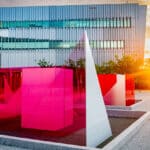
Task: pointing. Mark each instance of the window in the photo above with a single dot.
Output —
(20, 43)
(76, 23)
(115, 44)
(119, 44)
(108, 44)
(128, 22)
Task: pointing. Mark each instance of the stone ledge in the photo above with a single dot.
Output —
(37, 144)
(122, 138)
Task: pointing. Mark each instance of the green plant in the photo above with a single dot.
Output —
(44, 63)
(107, 68)
(124, 65)
(71, 63)
(80, 63)
(127, 64)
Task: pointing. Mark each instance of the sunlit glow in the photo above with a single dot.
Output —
(147, 44)
(147, 40)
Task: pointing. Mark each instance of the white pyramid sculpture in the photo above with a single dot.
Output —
(97, 123)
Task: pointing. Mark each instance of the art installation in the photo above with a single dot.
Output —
(97, 124)
(66, 102)
(51, 102)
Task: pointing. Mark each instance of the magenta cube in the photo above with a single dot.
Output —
(47, 98)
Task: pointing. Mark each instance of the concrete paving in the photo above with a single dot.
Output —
(141, 140)
(3, 147)
(145, 97)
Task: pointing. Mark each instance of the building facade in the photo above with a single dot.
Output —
(29, 34)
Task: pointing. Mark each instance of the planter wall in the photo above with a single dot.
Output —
(117, 89)
(130, 90)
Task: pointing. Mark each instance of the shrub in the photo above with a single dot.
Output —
(124, 65)
(44, 63)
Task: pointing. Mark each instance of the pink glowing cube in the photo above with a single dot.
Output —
(47, 98)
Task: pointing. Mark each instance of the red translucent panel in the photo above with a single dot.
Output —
(112, 91)
(106, 82)
(10, 93)
(130, 87)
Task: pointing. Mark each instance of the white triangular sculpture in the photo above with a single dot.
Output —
(97, 123)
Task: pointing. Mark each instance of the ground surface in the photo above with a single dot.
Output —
(2, 147)
(141, 140)
(12, 127)
(117, 126)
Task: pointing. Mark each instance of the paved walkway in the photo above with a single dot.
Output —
(141, 140)
(145, 96)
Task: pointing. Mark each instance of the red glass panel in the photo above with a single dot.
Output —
(130, 87)
(106, 81)
(9, 100)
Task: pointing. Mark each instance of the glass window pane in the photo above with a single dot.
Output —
(102, 44)
(121, 22)
(118, 22)
(108, 44)
(112, 22)
(119, 44)
(115, 44)
(128, 22)
(125, 22)
(105, 44)
(122, 44)
(104, 22)
(108, 22)
(112, 44)
(115, 22)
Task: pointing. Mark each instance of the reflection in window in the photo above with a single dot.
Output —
(128, 22)
(105, 44)
(119, 44)
(55, 44)
(112, 44)
(108, 23)
(115, 22)
(121, 22)
(112, 23)
(108, 44)
(125, 22)
(122, 44)
(86, 23)
(115, 44)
